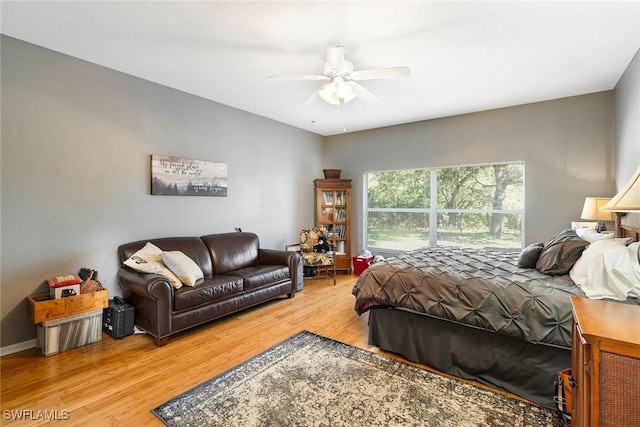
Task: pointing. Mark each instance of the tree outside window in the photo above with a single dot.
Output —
(475, 206)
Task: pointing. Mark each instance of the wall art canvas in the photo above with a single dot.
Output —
(186, 177)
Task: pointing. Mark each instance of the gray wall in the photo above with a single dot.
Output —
(627, 104)
(76, 146)
(627, 101)
(567, 146)
(76, 140)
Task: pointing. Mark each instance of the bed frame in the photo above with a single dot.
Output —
(628, 231)
(499, 361)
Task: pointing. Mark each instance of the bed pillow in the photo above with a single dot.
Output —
(183, 267)
(591, 235)
(149, 260)
(529, 256)
(633, 250)
(560, 253)
(607, 269)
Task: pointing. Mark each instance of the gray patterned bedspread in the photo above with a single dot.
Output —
(479, 288)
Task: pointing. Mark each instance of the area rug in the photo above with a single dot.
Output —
(310, 380)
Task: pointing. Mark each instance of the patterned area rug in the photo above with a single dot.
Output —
(309, 380)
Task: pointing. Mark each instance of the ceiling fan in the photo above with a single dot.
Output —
(342, 86)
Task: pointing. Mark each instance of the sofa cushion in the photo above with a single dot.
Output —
(261, 275)
(232, 251)
(149, 260)
(182, 266)
(192, 247)
(212, 289)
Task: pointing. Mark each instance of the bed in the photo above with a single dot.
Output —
(480, 315)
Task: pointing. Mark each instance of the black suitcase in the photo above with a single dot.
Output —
(118, 318)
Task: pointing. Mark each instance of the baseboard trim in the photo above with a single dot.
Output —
(15, 348)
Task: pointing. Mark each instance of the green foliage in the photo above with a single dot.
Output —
(490, 188)
(399, 189)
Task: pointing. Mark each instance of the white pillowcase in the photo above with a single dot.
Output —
(149, 260)
(183, 267)
(633, 251)
(591, 235)
(608, 269)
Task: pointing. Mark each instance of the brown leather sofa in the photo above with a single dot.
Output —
(237, 274)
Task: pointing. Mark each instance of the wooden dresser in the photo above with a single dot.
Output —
(605, 363)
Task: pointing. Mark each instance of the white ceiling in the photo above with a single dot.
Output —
(464, 56)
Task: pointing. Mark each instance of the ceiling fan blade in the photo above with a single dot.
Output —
(380, 73)
(335, 57)
(362, 92)
(342, 86)
(300, 77)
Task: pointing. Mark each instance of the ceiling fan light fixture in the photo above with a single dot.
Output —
(336, 92)
(329, 93)
(342, 82)
(345, 91)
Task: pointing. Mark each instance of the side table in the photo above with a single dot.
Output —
(605, 362)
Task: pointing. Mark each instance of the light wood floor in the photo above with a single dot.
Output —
(118, 382)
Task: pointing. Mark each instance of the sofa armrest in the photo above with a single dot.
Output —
(280, 257)
(146, 285)
(152, 297)
(273, 257)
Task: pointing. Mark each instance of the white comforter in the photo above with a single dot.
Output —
(609, 269)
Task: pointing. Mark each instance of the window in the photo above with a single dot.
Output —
(474, 206)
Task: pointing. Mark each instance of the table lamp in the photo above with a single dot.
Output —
(627, 199)
(591, 211)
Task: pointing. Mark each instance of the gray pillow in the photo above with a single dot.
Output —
(560, 253)
(529, 255)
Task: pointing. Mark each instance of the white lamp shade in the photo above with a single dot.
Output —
(345, 92)
(592, 209)
(627, 199)
(329, 93)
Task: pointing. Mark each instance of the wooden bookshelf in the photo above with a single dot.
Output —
(333, 213)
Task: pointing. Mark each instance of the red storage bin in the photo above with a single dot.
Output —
(360, 264)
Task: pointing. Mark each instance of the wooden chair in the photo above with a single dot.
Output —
(309, 239)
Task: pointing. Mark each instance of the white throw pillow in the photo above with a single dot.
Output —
(591, 235)
(604, 270)
(183, 267)
(149, 260)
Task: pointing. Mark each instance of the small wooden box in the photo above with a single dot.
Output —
(50, 309)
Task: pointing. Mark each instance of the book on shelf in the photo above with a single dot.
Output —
(328, 198)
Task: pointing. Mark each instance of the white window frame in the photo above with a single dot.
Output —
(433, 210)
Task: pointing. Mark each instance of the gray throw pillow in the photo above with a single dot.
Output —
(560, 253)
(529, 255)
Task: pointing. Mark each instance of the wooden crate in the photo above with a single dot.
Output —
(41, 310)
